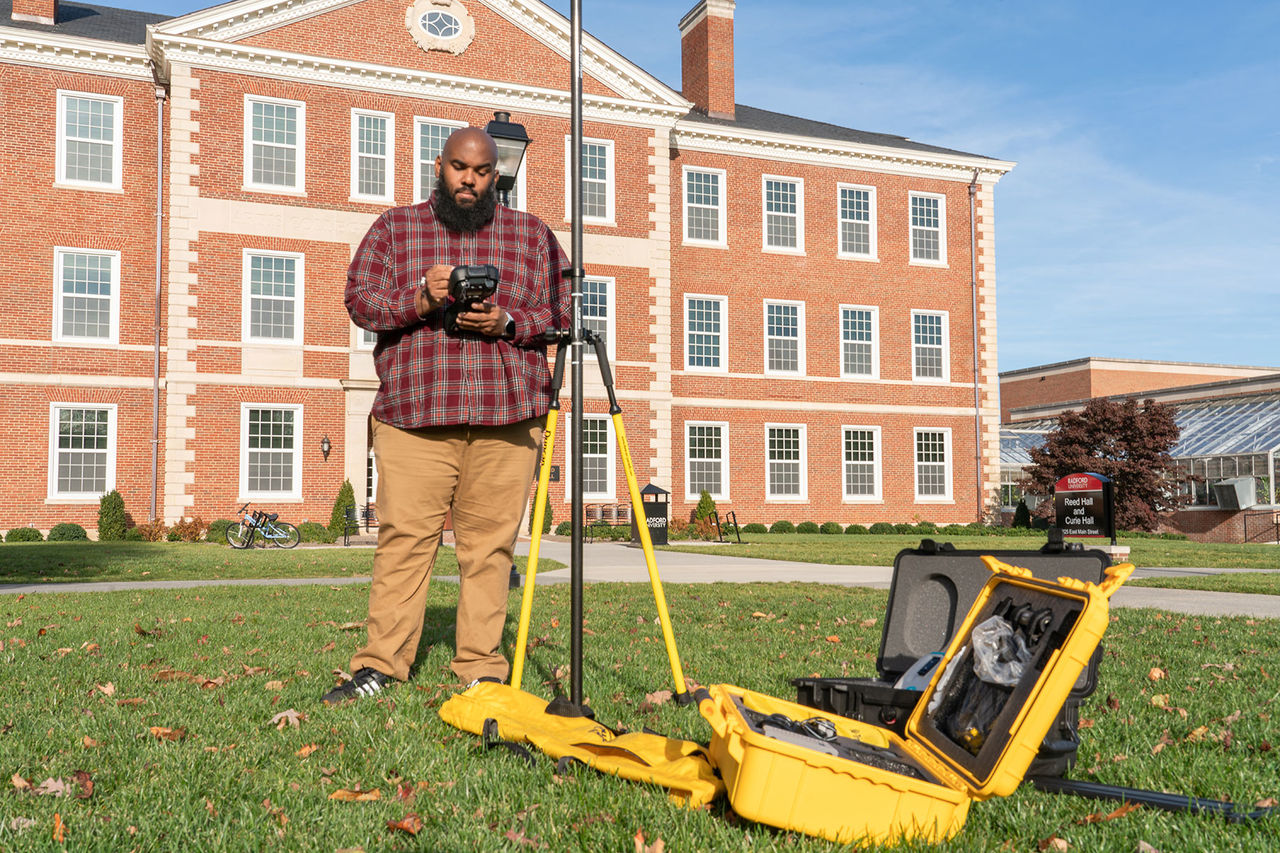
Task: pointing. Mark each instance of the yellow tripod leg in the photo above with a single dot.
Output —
(646, 542)
(539, 513)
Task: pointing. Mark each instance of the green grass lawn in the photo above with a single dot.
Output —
(164, 700)
(1249, 583)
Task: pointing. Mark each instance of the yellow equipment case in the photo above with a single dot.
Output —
(999, 688)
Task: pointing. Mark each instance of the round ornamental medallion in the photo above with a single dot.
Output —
(440, 25)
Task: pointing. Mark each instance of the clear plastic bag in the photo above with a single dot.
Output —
(1000, 654)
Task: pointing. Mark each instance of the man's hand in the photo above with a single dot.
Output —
(434, 290)
(484, 318)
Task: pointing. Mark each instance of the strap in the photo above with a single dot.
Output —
(489, 739)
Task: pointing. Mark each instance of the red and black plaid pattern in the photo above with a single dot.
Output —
(433, 379)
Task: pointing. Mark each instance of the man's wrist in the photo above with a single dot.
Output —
(509, 331)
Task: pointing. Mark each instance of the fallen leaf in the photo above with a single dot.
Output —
(131, 701)
(21, 824)
(832, 638)
(1113, 702)
(654, 699)
(765, 616)
(410, 823)
(20, 783)
(107, 689)
(555, 622)
(212, 683)
(348, 796)
(89, 743)
(1162, 743)
(1053, 842)
(163, 733)
(287, 718)
(274, 685)
(53, 788)
(1156, 674)
(1160, 700)
(1098, 817)
(1144, 847)
(253, 670)
(307, 750)
(658, 845)
(85, 781)
(867, 623)
(328, 647)
(351, 626)
(140, 631)
(59, 828)
(1267, 803)
(519, 837)
(1231, 718)
(1196, 735)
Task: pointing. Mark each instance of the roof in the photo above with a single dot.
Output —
(752, 118)
(94, 22)
(1223, 427)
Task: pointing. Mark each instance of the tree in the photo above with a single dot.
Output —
(346, 498)
(706, 506)
(1124, 441)
(111, 517)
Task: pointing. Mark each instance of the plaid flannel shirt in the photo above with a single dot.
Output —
(429, 378)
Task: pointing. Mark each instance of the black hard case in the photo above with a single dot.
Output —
(933, 587)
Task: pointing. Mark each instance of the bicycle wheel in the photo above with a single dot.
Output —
(239, 535)
(287, 535)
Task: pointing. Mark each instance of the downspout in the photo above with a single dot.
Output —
(977, 377)
(161, 96)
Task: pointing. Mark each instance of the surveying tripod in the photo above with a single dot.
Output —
(682, 693)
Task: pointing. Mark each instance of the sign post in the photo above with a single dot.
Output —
(1084, 505)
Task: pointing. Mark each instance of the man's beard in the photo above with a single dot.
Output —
(455, 217)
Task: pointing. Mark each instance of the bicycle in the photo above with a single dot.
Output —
(264, 524)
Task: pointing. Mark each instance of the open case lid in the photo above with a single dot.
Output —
(934, 586)
(988, 734)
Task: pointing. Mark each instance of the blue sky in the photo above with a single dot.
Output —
(1141, 220)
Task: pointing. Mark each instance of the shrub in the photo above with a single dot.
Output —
(133, 534)
(855, 528)
(564, 528)
(68, 531)
(703, 528)
(338, 518)
(111, 517)
(954, 530)
(904, 528)
(1022, 515)
(807, 527)
(754, 527)
(314, 531)
(977, 527)
(185, 530)
(24, 534)
(217, 531)
(881, 528)
(782, 526)
(926, 527)
(831, 527)
(546, 520)
(152, 531)
(706, 506)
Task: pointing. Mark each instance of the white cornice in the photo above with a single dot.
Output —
(70, 53)
(739, 142)
(492, 94)
(233, 21)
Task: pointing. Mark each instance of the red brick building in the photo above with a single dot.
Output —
(801, 317)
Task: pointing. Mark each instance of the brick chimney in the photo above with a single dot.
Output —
(36, 11)
(706, 54)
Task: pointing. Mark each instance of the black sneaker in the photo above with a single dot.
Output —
(366, 682)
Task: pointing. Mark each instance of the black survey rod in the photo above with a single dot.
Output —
(575, 334)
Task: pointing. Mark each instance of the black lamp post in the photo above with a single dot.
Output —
(512, 141)
(325, 447)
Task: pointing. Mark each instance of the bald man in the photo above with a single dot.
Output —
(458, 418)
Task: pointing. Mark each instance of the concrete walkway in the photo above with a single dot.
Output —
(619, 562)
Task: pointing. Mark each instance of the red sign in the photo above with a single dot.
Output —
(1079, 483)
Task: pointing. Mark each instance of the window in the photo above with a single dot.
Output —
(597, 458)
(928, 229)
(518, 197)
(933, 465)
(272, 297)
(598, 311)
(274, 154)
(786, 474)
(706, 460)
(857, 222)
(373, 155)
(366, 339)
(704, 221)
(784, 214)
(86, 306)
(929, 345)
(82, 451)
(270, 451)
(859, 341)
(704, 333)
(861, 463)
(784, 337)
(90, 140)
(428, 141)
(597, 180)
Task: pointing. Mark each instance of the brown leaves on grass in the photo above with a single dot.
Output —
(410, 823)
(80, 782)
(1156, 673)
(163, 733)
(288, 718)
(652, 700)
(307, 750)
(1098, 817)
(349, 795)
(1054, 843)
(658, 845)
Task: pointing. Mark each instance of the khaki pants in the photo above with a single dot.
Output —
(483, 473)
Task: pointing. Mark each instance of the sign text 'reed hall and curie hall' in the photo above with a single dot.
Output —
(1083, 505)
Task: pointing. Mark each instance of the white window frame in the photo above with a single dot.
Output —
(722, 337)
(875, 340)
(53, 495)
(294, 494)
(877, 493)
(299, 298)
(59, 258)
(610, 192)
(365, 340)
(798, 248)
(916, 463)
(941, 260)
(800, 338)
(610, 317)
(422, 193)
(116, 183)
(389, 159)
(803, 497)
(723, 494)
(299, 186)
(610, 495)
(522, 187)
(721, 208)
(946, 345)
(873, 248)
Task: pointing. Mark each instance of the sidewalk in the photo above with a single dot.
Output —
(605, 562)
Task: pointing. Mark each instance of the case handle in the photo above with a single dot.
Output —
(1116, 575)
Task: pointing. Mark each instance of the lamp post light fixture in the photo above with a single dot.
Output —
(325, 447)
(511, 140)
